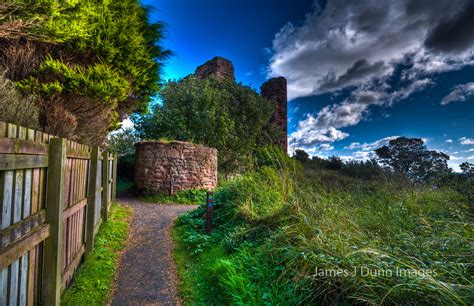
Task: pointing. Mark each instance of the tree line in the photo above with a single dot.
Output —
(402, 158)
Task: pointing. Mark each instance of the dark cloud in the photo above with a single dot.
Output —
(367, 44)
(343, 43)
(361, 69)
(455, 34)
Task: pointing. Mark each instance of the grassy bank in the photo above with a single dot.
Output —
(289, 236)
(93, 282)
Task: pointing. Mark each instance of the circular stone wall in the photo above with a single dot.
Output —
(167, 167)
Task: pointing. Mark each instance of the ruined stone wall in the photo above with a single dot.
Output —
(275, 90)
(218, 67)
(165, 168)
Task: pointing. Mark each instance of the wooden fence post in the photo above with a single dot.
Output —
(91, 199)
(54, 217)
(105, 185)
(114, 174)
(210, 209)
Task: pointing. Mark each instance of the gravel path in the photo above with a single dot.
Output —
(147, 272)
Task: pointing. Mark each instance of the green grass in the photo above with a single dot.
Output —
(274, 229)
(190, 197)
(93, 282)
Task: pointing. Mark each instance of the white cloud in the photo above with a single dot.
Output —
(466, 141)
(318, 149)
(459, 93)
(358, 156)
(326, 147)
(470, 157)
(455, 166)
(448, 140)
(370, 146)
(309, 133)
(362, 155)
(321, 150)
(470, 150)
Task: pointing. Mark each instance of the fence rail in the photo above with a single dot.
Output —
(54, 193)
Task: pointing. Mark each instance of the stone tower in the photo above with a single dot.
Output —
(218, 66)
(275, 91)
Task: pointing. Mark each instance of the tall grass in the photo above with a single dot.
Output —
(280, 237)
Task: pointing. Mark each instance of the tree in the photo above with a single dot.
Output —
(467, 187)
(468, 170)
(301, 155)
(219, 113)
(122, 141)
(411, 158)
(89, 63)
(335, 163)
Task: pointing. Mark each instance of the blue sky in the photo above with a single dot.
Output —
(359, 72)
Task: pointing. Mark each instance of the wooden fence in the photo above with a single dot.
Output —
(54, 193)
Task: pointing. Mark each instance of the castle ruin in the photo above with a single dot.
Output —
(274, 90)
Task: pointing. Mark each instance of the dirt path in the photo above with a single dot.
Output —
(147, 272)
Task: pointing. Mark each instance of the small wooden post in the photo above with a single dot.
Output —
(210, 209)
(114, 174)
(105, 185)
(54, 217)
(91, 199)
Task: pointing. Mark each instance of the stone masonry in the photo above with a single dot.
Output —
(218, 67)
(275, 91)
(167, 167)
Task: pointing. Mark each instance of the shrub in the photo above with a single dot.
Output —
(218, 113)
(16, 108)
(89, 62)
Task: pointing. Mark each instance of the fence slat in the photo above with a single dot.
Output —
(114, 176)
(14, 271)
(3, 286)
(23, 279)
(31, 277)
(55, 200)
(105, 185)
(91, 199)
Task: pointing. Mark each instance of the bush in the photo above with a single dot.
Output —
(89, 63)
(16, 108)
(222, 114)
